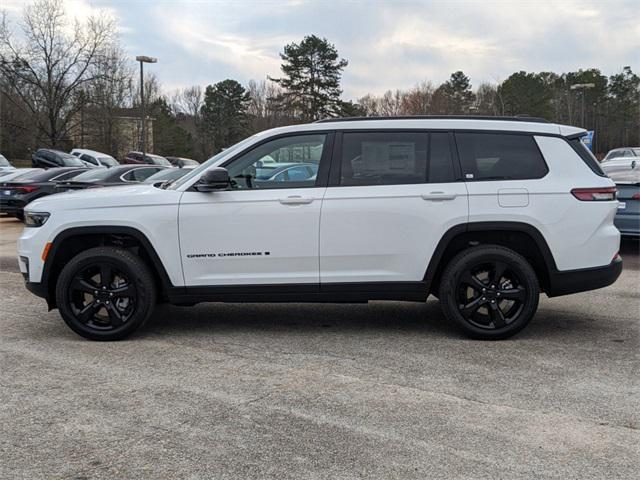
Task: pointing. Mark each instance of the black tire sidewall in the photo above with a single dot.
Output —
(477, 255)
(128, 263)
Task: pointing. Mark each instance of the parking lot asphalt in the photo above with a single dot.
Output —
(379, 390)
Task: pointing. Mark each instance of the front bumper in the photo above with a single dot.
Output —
(584, 279)
(38, 289)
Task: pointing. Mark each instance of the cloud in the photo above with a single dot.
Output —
(389, 44)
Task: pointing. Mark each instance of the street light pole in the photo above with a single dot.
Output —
(582, 87)
(143, 135)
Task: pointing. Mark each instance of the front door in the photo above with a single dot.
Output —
(264, 229)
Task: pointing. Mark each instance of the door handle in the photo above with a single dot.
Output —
(295, 200)
(438, 196)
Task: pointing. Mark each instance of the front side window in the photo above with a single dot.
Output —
(494, 156)
(287, 162)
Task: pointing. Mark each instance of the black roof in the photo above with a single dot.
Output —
(517, 118)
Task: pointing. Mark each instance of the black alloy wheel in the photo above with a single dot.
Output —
(490, 292)
(105, 293)
(102, 297)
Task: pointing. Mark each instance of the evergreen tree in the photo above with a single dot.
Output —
(169, 138)
(224, 112)
(526, 94)
(456, 94)
(312, 78)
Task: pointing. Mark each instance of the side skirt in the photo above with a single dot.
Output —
(296, 293)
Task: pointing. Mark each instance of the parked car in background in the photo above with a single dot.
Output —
(98, 159)
(147, 159)
(5, 165)
(622, 152)
(17, 193)
(168, 175)
(17, 173)
(620, 159)
(628, 215)
(47, 158)
(120, 175)
(285, 172)
(182, 162)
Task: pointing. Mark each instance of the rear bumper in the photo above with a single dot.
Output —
(584, 279)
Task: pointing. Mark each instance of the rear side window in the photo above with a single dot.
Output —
(395, 158)
(587, 157)
(494, 156)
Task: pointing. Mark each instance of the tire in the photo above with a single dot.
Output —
(489, 292)
(105, 293)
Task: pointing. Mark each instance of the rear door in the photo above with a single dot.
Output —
(392, 196)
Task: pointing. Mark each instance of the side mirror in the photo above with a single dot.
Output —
(634, 164)
(216, 178)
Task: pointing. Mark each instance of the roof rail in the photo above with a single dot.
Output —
(517, 118)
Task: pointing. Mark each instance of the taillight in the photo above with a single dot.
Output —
(26, 189)
(636, 197)
(603, 194)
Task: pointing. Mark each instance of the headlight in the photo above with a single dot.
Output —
(35, 219)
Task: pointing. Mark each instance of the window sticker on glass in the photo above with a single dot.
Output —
(385, 156)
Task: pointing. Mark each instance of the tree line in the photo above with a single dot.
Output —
(59, 77)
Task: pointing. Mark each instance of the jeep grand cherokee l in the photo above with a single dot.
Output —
(484, 213)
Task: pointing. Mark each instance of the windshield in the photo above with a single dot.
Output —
(70, 160)
(93, 175)
(112, 162)
(168, 174)
(4, 162)
(158, 160)
(25, 175)
(205, 166)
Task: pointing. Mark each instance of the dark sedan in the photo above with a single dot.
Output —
(15, 194)
(628, 217)
(48, 158)
(122, 175)
(136, 158)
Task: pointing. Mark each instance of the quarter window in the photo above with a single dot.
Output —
(288, 162)
(488, 156)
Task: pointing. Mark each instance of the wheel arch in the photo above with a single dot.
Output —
(72, 241)
(522, 238)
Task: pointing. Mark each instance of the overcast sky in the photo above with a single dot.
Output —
(389, 44)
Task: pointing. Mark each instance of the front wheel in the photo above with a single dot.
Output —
(105, 293)
(489, 292)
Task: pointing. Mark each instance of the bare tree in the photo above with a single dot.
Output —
(49, 68)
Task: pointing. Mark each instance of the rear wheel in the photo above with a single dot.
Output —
(105, 293)
(489, 292)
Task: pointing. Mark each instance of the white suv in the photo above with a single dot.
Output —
(484, 213)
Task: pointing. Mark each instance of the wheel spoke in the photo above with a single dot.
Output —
(82, 285)
(105, 275)
(470, 279)
(498, 271)
(124, 291)
(518, 294)
(472, 307)
(88, 311)
(497, 317)
(114, 315)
